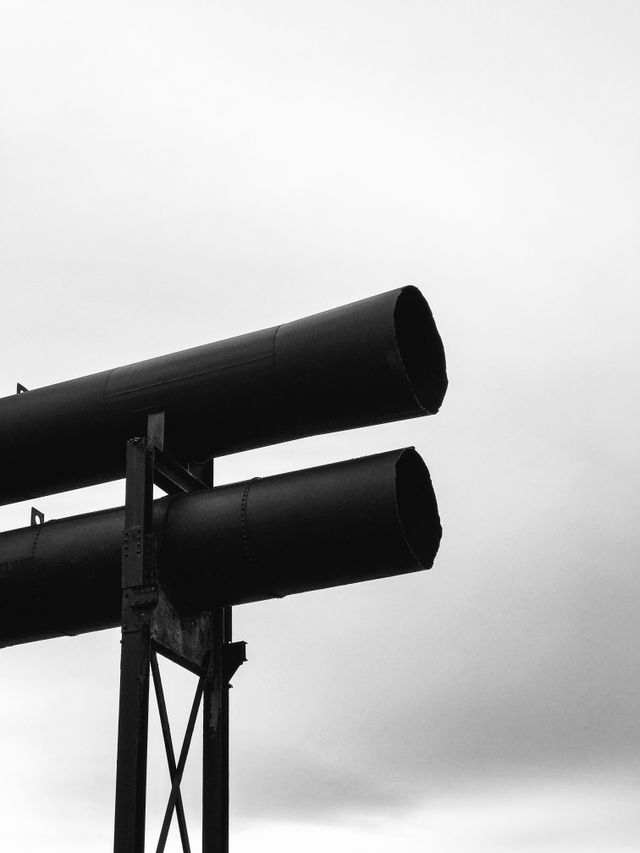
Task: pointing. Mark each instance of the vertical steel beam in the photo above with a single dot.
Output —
(224, 729)
(215, 724)
(138, 598)
(215, 744)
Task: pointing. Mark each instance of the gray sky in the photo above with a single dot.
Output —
(177, 173)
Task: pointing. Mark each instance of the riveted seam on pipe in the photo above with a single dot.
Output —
(32, 556)
(160, 529)
(244, 530)
(32, 561)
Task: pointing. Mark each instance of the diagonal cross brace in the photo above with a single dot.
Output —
(184, 752)
(168, 745)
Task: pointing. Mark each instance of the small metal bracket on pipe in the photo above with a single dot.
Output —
(20, 389)
(37, 517)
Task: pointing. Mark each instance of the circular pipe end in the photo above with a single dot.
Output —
(417, 508)
(421, 349)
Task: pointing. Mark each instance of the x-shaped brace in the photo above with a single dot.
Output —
(175, 771)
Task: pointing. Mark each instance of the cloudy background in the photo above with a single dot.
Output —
(173, 173)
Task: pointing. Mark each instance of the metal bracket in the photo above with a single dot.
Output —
(233, 656)
(172, 478)
(20, 389)
(155, 430)
(142, 597)
(185, 641)
(137, 603)
(37, 517)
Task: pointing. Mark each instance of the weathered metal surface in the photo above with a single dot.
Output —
(336, 524)
(186, 640)
(377, 360)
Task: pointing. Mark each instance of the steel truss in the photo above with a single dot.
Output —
(200, 643)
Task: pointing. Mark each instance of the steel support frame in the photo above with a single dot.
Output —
(202, 645)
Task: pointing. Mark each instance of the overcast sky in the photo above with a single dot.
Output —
(174, 173)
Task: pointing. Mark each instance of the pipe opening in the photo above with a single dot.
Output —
(417, 507)
(420, 348)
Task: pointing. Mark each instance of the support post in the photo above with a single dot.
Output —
(150, 624)
(139, 595)
(215, 743)
(215, 723)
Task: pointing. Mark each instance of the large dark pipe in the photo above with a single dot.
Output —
(264, 538)
(377, 360)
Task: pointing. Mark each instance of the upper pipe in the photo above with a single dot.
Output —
(380, 359)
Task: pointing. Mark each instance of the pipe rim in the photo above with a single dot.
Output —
(420, 348)
(417, 507)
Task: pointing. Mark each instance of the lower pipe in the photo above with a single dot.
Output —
(336, 524)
